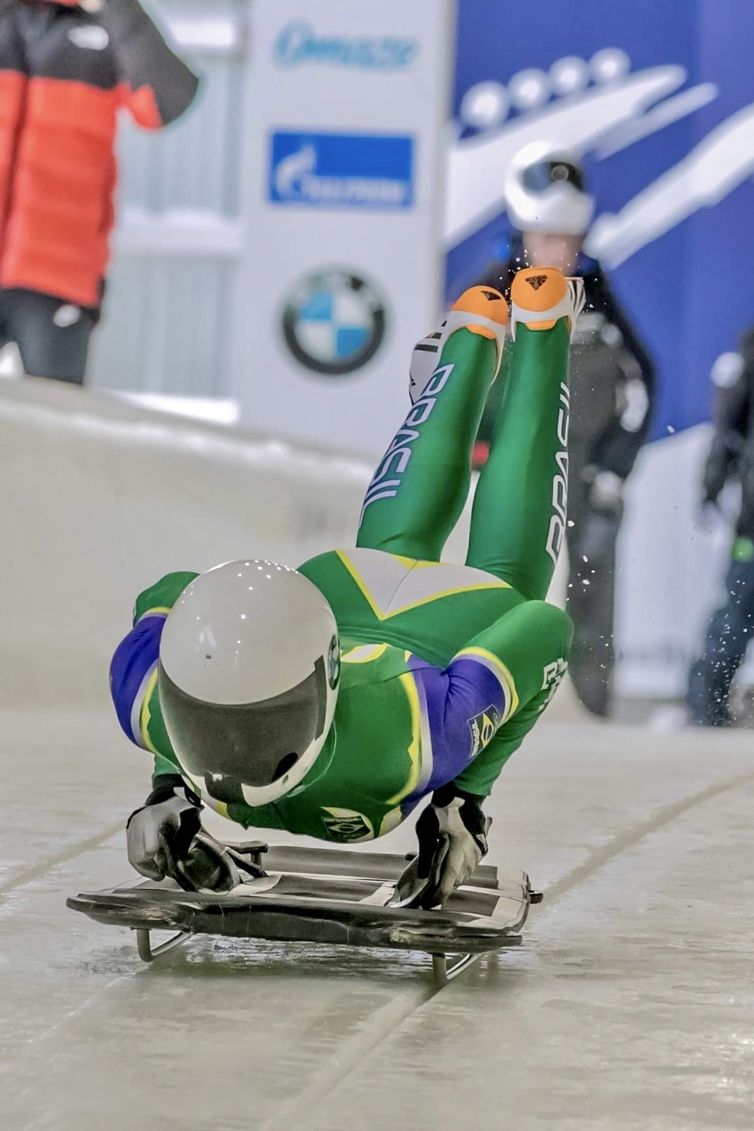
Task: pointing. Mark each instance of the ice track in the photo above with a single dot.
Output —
(630, 1005)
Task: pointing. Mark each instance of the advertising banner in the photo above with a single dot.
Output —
(347, 108)
(657, 100)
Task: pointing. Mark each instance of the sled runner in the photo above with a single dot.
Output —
(326, 896)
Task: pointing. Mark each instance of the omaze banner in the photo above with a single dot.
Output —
(657, 100)
(348, 104)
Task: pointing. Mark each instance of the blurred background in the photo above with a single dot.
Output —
(289, 226)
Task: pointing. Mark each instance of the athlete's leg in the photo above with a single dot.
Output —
(5, 335)
(591, 603)
(419, 489)
(519, 516)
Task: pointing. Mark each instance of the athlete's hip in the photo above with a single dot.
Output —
(430, 608)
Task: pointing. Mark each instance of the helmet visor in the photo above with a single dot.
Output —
(542, 174)
(254, 744)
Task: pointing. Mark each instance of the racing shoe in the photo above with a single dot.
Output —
(483, 310)
(541, 296)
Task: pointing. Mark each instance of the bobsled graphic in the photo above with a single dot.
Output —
(598, 121)
(712, 170)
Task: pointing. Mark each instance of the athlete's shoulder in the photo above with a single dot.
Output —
(311, 564)
(160, 597)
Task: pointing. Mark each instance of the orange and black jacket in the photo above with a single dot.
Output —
(64, 74)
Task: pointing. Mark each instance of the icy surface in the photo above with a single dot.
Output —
(630, 1005)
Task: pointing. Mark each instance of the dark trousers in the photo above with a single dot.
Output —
(728, 634)
(52, 335)
(591, 602)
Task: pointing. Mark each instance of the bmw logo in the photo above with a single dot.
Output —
(334, 322)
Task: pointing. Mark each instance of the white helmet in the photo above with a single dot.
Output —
(545, 191)
(248, 682)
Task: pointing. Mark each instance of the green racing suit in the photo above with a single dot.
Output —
(445, 668)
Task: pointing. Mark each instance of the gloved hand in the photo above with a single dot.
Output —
(160, 835)
(452, 834)
(604, 491)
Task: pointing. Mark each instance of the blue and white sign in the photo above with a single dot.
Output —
(299, 43)
(334, 322)
(347, 107)
(341, 170)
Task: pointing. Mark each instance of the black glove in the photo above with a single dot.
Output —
(165, 839)
(160, 834)
(452, 833)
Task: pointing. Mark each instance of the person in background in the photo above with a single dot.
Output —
(612, 393)
(66, 68)
(731, 455)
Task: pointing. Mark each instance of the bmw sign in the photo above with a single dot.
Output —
(334, 322)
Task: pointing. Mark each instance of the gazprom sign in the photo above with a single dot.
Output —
(339, 170)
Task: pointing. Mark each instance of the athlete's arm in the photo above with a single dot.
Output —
(616, 450)
(517, 663)
(158, 85)
(133, 672)
(476, 698)
(732, 376)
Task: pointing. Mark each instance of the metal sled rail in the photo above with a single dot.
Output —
(329, 897)
(443, 970)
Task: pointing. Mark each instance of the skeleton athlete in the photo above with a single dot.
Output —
(333, 699)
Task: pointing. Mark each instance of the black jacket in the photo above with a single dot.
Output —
(616, 436)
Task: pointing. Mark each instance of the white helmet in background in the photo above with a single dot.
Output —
(545, 191)
(248, 680)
